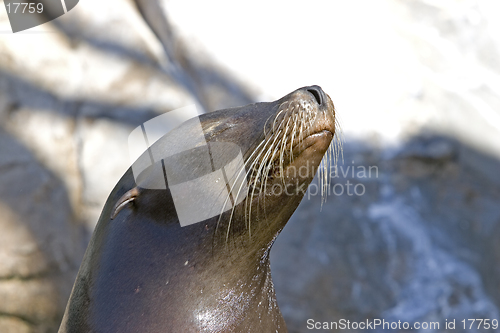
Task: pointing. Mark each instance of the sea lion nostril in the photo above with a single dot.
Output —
(316, 95)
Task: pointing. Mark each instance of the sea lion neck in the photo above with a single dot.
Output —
(247, 293)
(208, 276)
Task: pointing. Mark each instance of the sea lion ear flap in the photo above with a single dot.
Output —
(125, 199)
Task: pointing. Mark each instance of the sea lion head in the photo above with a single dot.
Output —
(259, 158)
(283, 144)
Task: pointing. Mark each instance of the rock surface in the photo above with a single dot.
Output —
(419, 245)
(41, 242)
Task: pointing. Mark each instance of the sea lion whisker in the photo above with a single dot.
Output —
(278, 107)
(259, 170)
(249, 160)
(253, 161)
(234, 207)
(267, 163)
(281, 110)
(269, 160)
(294, 129)
(283, 146)
(248, 205)
(252, 196)
(246, 202)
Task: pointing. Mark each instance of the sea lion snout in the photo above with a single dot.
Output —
(316, 110)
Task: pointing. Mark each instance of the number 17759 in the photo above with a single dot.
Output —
(32, 7)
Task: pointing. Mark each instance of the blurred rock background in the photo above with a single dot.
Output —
(416, 85)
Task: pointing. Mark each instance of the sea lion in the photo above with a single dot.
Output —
(144, 272)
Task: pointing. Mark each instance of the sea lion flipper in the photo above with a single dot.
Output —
(125, 199)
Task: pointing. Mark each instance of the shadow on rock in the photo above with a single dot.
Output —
(41, 242)
(420, 244)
